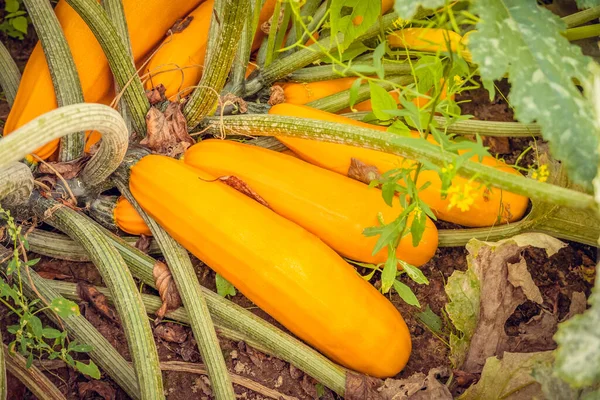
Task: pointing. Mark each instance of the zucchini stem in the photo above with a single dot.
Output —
(10, 76)
(16, 184)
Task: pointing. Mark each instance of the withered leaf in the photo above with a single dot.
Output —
(143, 243)
(362, 172)
(171, 333)
(182, 23)
(102, 388)
(535, 334)
(243, 187)
(498, 145)
(519, 276)
(166, 289)
(68, 169)
(89, 293)
(276, 96)
(231, 104)
(156, 94)
(578, 305)
(417, 387)
(362, 387)
(167, 132)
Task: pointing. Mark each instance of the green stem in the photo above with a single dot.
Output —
(317, 19)
(62, 69)
(80, 329)
(118, 279)
(16, 184)
(309, 8)
(581, 17)
(327, 72)
(340, 100)
(272, 34)
(4, 253)
(242, 56)
(191, 294)
(410, 148)
(583, 32)
(10, 76)
(219, 58)
(102, 210)
(31, 377)
(119, 60)
(64, 120)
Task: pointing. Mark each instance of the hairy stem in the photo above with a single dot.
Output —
(16, 184)
(10, 76)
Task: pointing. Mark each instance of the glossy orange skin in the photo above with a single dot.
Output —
(281, 267)
(128, 219)
(491, 206)
(431, 40)
(265, 14)
(186, 50)
(36, 92)
(335, 208)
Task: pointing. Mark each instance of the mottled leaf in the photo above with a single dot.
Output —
(353, 18)
(224, 288)
(408, 8)
(587, 3)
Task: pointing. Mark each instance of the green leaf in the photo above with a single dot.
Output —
(20, 24)
(11, 6)
(224, 288)
(408, 8)
(430, 319)
(353, 18)
(51, 333)
(417, 228)
(399, 128)
(35, 324)
(90, 369)
(381, 101)
(588, 3)
(29, 361)
(524, 40)
(80, 348)
(553, 387)
(406, 294)
(63, 307)
(415, 273)
(388, 275)
(354, 91)
(378, 54)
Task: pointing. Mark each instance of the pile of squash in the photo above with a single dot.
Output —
(283, 241)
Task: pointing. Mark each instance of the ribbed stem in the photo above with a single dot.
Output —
(16, 184)
(102, 210)
(62, 69)
(339, 101)
(410, 148)
(10, 76)
(228, 25)
(4, 253)
(65, 120)
(317, 18)
(273, 31)
(242, 56)
(80, 329)
(118, 279)
(583, 32)
(581, 17)
(309, 8)
(191, 294)
(327, 72)
(119, 60)
(31, 377)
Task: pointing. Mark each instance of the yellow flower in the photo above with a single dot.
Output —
(445, 170)
(399, 23)
(458, 80)
(541, 174)
(462, 197)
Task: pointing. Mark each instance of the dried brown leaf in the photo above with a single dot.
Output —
(519, 276)
(182, 23)
(143, 243)
(243, 187)
(166, 289)
(156, 94)
(90, 294)
(231, 104)
(578, 305)
(497, 145)
(102, 388)
(362, 172)
(53, 275)
(417, 387)
(362, 387)
(68, 169)
(173, 333)
(167, 132)
(308, 384)
(276, 96)
(535, 334)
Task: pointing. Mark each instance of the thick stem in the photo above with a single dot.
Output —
(191, 294)
(219, 58)
(32, 377)
(242, 56)
(102, 210)
(119, 60)
(327, 72)
(410, 148)
(79, 328)
(62, 69)
(65, 120)
(10, 76)
(338, 101)
(4, 253)
(273, 34)
(581, 17)
(295, 33)
(16, 184)
(583, 32)
(118, 279)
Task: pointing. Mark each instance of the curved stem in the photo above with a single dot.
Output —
(242, 56)
(79, 328)
(119, 60)
(65, 120)
(118, 279)
(219, 58)
(581, 17)
(16, 184)
(10, 76)
(327, 72)
(410, 148)
(583, 32)
(62, 69)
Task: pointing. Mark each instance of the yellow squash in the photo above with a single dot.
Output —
(281, 267)
(36, 92)
(490, 206)
(128, 219)
(333, 207)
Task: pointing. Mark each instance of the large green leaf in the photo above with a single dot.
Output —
(353, 18)
(408, 8)
(524, 40)
(588, 3)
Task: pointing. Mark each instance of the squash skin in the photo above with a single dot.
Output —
(36, 92)
(430, 40)
(186, 49)
(334, 208)
(488, 206)
(282, 268)
(128, 219)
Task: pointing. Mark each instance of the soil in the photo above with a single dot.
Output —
(557, 277)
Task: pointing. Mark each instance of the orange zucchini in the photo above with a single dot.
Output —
(281, 267)
(490, 206)
(128, 219)
(430, 40)
(184, 50)
(335, 208)
(36, 92)
(265, 14)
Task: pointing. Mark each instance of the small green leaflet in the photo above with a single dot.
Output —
(406, 294)
(525, 40)
(408, 8)
(430, 319)
(381, 101)
(90, 369)
(352, 18)
(19, 23)
(224, 288)
(388, 275)
(11, 6)
(63, 307)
